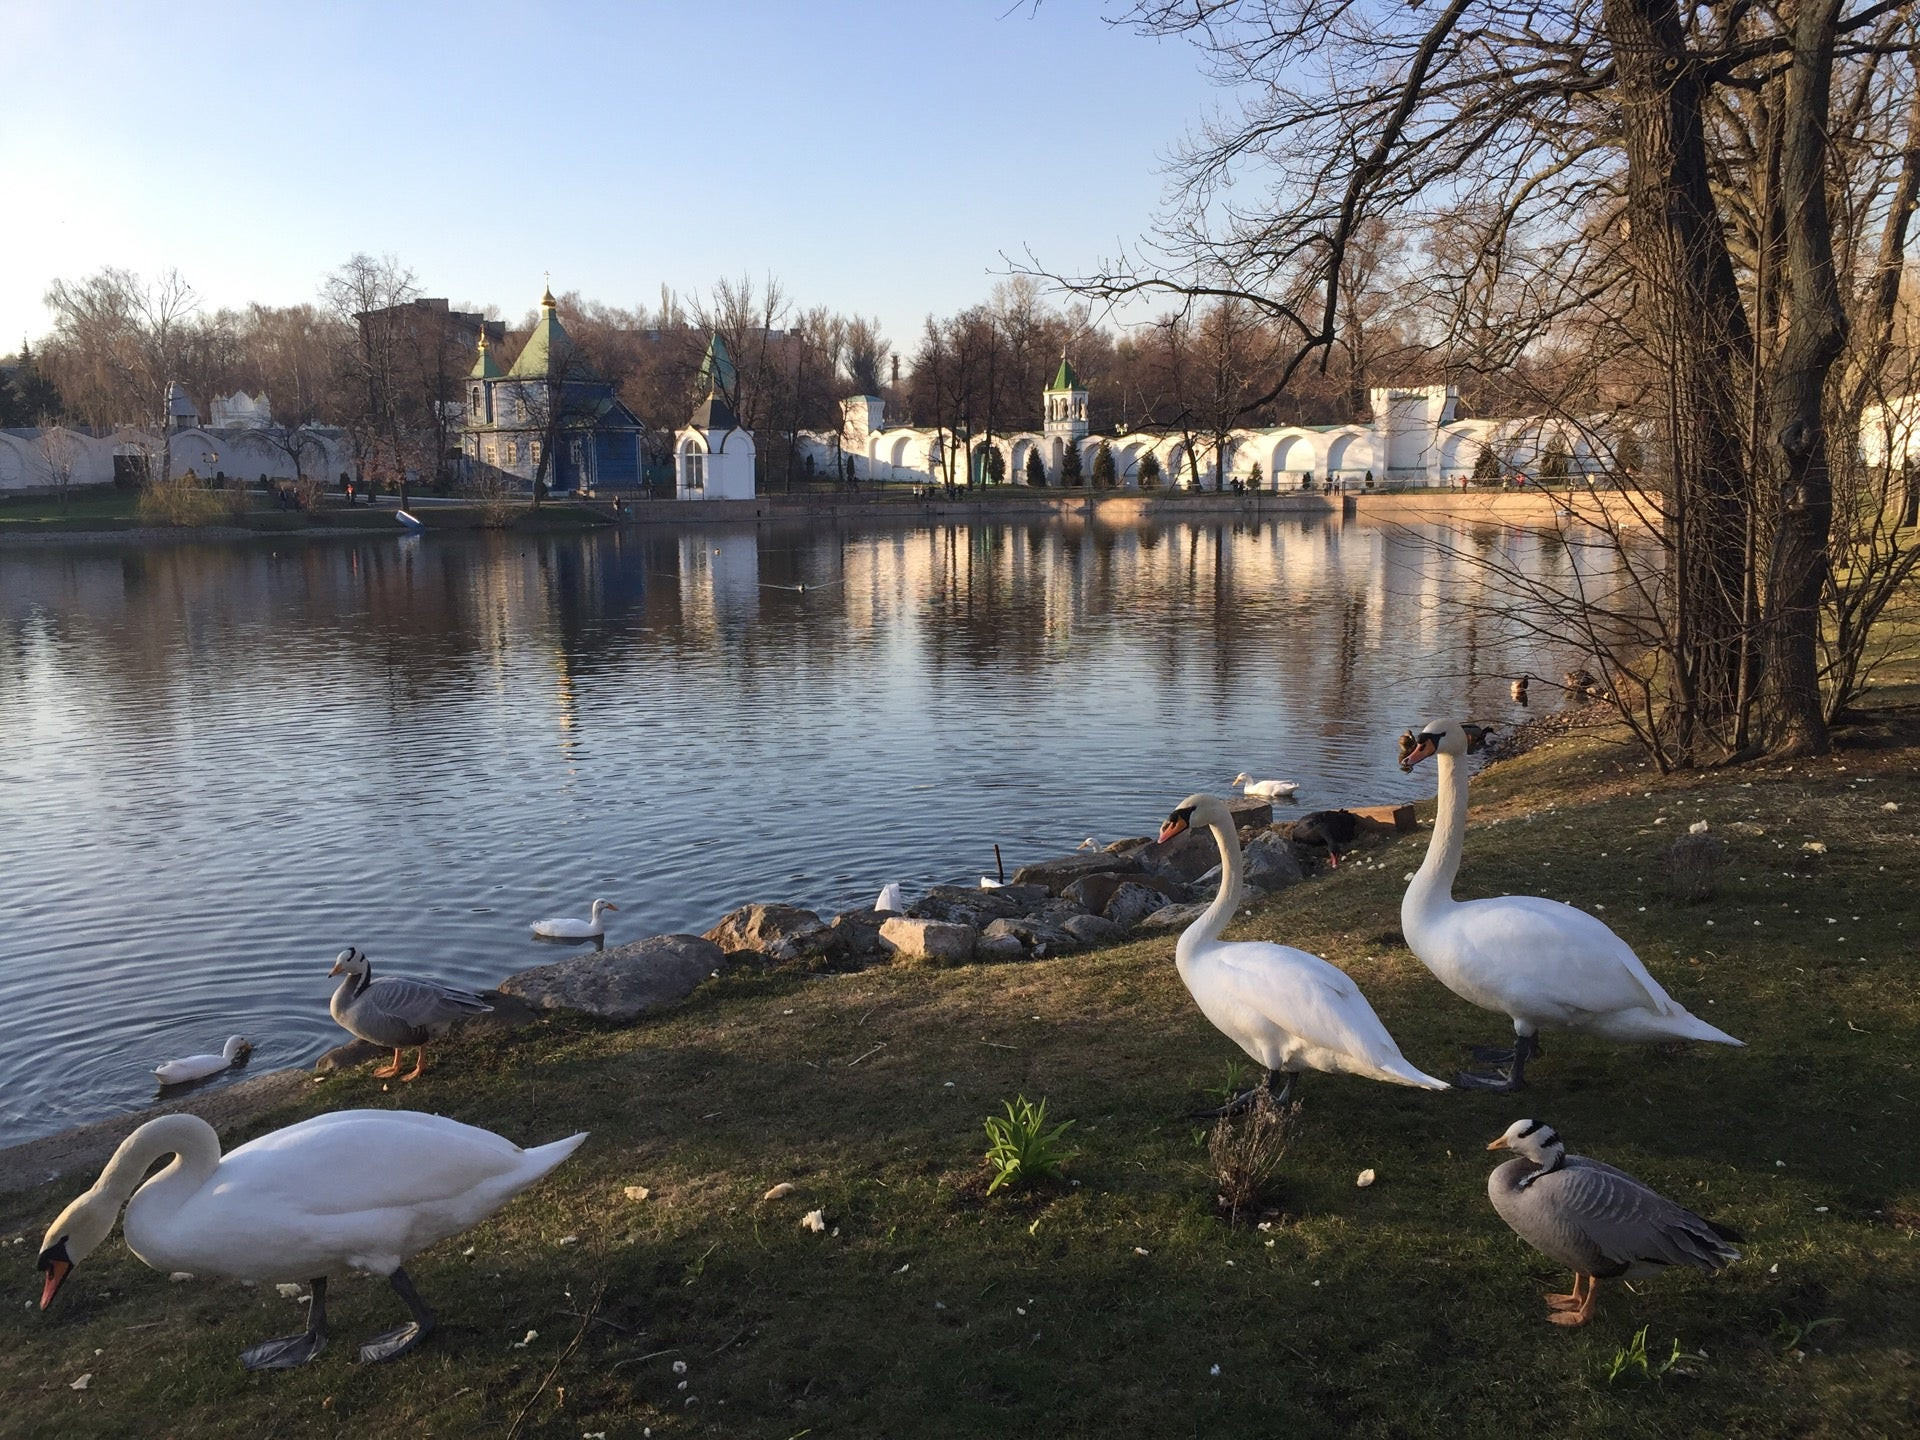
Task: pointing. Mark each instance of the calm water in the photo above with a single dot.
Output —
(220, 764)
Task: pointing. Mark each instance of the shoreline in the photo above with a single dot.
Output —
(1117, 508)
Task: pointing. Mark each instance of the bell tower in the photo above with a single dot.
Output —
(1066, 404)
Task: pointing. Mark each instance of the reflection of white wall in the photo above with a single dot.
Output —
(719, 576)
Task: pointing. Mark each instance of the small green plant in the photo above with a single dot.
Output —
(1021, 1149)
(1238, 1072)
(1789, 1336)
(1635, 1357)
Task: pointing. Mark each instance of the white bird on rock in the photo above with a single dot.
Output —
(1599, 1222)
(562, 928)
(1289, 1010)
(1266, 789)
(354, 1190)
(891, 901)
(198, 1067)
(1541, 962)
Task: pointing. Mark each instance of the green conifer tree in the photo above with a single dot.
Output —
(1070, 472)
(1103, 473)
(1036, 470)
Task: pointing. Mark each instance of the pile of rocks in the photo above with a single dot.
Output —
(1053, 907)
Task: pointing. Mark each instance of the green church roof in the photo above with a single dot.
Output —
(716, 370)
(1064, 378)
(484, 367)
(547, 348)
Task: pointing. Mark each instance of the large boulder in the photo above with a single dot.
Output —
(959, 905)
(1174, 917)
(855, 936)
(1061, 872)
(622, 983)
(1268, 863)
(1250, 811)
(1039, 936)
(928, 942)
(1184, 858)
(1093, 893)
(1092, 929)
(999, 948)
(780, 932)
(1131, 904)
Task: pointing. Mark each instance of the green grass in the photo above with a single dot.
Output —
(1404, 1309)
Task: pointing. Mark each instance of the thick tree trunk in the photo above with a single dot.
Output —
(1816, 335)
(1700, 327)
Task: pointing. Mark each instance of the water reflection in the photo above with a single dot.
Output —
(221, 764)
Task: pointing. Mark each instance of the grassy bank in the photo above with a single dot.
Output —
(1118, 1304)
(111, 512)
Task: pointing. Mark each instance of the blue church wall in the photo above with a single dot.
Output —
(616, 459)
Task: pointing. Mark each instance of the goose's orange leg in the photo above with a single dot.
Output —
(419, 1063)
(386, 1070)
(1583, 1312)
(1570, 1301)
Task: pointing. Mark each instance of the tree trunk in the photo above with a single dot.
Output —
(1704, 335)
(1816, 335)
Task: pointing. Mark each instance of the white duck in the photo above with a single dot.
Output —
(1266, 789)
(1541, 962)
(198, 1067)
(1289, 1010)
(354, 1190)
(563, 928)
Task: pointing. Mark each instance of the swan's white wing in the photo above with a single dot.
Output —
(1304, 995)
(1543, 950)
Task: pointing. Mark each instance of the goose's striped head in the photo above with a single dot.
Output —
(1533, 1140)
(349, 962)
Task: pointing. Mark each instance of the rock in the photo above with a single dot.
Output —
(1250, 810)
(1055, 875)
(856, 935)
(1173, 917)
(1035, 934)
(621, 983)
(780, 932)
(1092, 930)
(1093, 893)
(996, 949)
(1130, 846)
(1386, 819)
(1133, 903)
(931, 942)
(345, 1057)
(1185, 858)
(1270, 862)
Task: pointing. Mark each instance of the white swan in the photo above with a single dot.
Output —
(1266, 789)
(1545, 964)
(354, 1190)
(1289, 1010)
(198, 1067)
(562, 928)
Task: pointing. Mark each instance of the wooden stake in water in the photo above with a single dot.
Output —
(999, 866)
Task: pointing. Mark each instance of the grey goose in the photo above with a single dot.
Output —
(395, 1011)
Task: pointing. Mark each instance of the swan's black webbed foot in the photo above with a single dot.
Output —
(1510, 1072)
(1248, 1098)
(293, 1350)
(395, 1343)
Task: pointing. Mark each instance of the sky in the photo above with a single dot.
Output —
(884, 157)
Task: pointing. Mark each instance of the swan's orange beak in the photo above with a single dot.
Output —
(58, 1267)
(1500, 1144)
(1422, 748)
(1176, 824)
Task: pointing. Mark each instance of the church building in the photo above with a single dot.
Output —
(550, 396)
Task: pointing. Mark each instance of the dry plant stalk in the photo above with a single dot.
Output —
(1693, 865)
(1246, 1151)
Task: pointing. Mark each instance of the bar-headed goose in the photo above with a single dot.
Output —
(1289, 1010)
(1599, 1222)
(395, 1011)
(355, 1190)
(1544, 964)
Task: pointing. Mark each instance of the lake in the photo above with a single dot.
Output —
(221, 763)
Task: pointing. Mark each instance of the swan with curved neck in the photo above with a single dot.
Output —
(1289, 1010)
(355, 1190)
(198, 1067)
(1544, 964)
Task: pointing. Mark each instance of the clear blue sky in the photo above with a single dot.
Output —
(876, 155)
